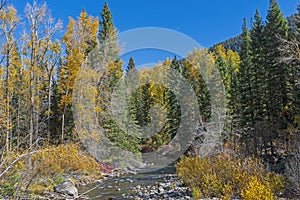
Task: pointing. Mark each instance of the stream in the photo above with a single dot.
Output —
(160, 184)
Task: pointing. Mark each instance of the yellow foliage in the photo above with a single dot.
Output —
(196, 192)
(38, 189)
(256, 190)
(79, 34)
(225, 176)
(62, 159)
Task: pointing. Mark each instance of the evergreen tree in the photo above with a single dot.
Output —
(296, 66)
(297, 23)
(107, 37)
(131, 65)
(107, 33)
(246, 96)
(171, 102)
(257, 70)
(245, 87)
(227, 62)
(277, 79)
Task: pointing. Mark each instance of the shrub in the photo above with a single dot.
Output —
(225, 176)
(256, 190)
(46, 168)
(38, 189)
(63, 159)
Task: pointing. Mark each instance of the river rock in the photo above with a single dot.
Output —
(67, 188)
(161, 190)
(139, 194)
(169, 188)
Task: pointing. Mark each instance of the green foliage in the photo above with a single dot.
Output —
(8, 186)
(107, 32)
(131, 65)
(36, 86)
(277, 96)
(267, 104)
(233, 44)
(227, 62)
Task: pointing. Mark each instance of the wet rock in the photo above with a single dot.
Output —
(67, 188)
(129, 180)
(161, 190)
(146, 195)
(139, 194)
(170, 188)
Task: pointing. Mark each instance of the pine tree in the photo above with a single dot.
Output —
(277, 80)
(296, 65)
(270, 82)
(131, 65)
(171, 102)
(246, 96)
(107, 37)
(297, 23)
(233, 108)
(134, 101)
(195, 78)
(227, 62)
(257, 69)
(107, 33)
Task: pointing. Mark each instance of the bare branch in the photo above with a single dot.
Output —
(291, 48)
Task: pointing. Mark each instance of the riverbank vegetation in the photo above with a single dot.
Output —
(261, 133)
(256, 154)
(227, 176)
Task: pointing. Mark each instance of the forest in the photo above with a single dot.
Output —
(257, 152)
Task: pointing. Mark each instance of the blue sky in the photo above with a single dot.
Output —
(208, 22)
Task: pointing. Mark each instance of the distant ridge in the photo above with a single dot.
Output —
(235, 43)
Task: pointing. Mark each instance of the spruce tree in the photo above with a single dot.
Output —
(277, 84)
(257, 69)
(172, 105)
(108, 33)
(297, 23)
(245, 88)
(246, 96)
(277, 77)
(131, 65)
(296, 67)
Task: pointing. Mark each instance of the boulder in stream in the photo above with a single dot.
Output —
(67, 188)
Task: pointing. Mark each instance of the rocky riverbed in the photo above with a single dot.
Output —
(162, 184)
(170, 187)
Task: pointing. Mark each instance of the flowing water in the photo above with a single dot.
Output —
(116, 187)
